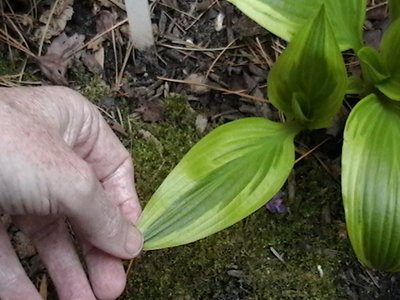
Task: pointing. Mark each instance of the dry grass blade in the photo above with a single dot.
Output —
(98, 36)
(118, 4)
(278, 48)
(124, 63)
(17, 30)
(201, 15)
(11, 82)
(315, 155)
(277, 255)
(114, 45)
(129, 268)
(6, 83)
(47, 27)
(43, 287)
(311, 151)
(266, 57)
(218, 57)
(245, 96)
(9, 40)
(4, 26)
(376, 5)
(193, 47)
(177, 10)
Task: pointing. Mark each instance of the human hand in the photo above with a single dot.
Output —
(59, 159)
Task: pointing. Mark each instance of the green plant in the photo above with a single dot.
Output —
(239, 166)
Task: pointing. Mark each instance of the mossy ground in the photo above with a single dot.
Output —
(238, 263)
(7, 68)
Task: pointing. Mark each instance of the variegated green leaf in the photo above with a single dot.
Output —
(394, 9)
(390, 56)
(225, 177)
(285, 17)
(347, 18)
(355, 85)
(373, 69)
(309, 79)
(370, 182)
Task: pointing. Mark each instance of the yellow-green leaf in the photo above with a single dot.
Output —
(390, 57)
(373, 69)
(225, 177)
(370, 182)
(347, 18)
(285, 17)
(355, 85)
(309, 79)
(394, 9)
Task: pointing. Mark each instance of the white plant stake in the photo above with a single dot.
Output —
(140, 23)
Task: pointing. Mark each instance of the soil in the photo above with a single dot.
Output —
(303, 254)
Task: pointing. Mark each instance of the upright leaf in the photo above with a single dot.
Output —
(309, 79)
(373, 69)
(347, 18)
(226, 176)
(355, 85)
(281, 17)
(394, 9)
(390, 57)
(370, 182)
(285, 17)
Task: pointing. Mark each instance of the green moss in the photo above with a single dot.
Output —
(7, 68)
(91, 86)
(15, 66)
(157, 147)
(238, 263)
(177, 109)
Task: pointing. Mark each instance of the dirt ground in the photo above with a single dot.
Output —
(209, 66)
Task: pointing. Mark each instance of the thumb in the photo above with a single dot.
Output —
(100, 222)
(95, 218)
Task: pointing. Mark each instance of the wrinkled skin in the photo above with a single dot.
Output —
(60, 161)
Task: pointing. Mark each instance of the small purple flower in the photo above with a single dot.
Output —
(275, 205)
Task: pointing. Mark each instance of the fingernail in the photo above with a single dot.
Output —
(134, 241)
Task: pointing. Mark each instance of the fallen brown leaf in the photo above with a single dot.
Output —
(94, 62)
(55, 63)
(151, 111)
(201, 79)
(105, 20)
(61, 14)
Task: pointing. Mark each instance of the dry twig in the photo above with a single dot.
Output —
(238, 93)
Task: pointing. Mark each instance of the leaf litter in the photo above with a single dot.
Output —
(55, 63)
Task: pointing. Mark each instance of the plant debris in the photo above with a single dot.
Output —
(275, 205)
(56, 61)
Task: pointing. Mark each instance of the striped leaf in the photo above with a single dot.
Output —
(373, 69)
(225, 177)
(309, 79)
(370, 182)
(394, 9)
(390, 57)
(285, 17)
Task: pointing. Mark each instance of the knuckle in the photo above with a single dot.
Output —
(86, 183)
(113, 225)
